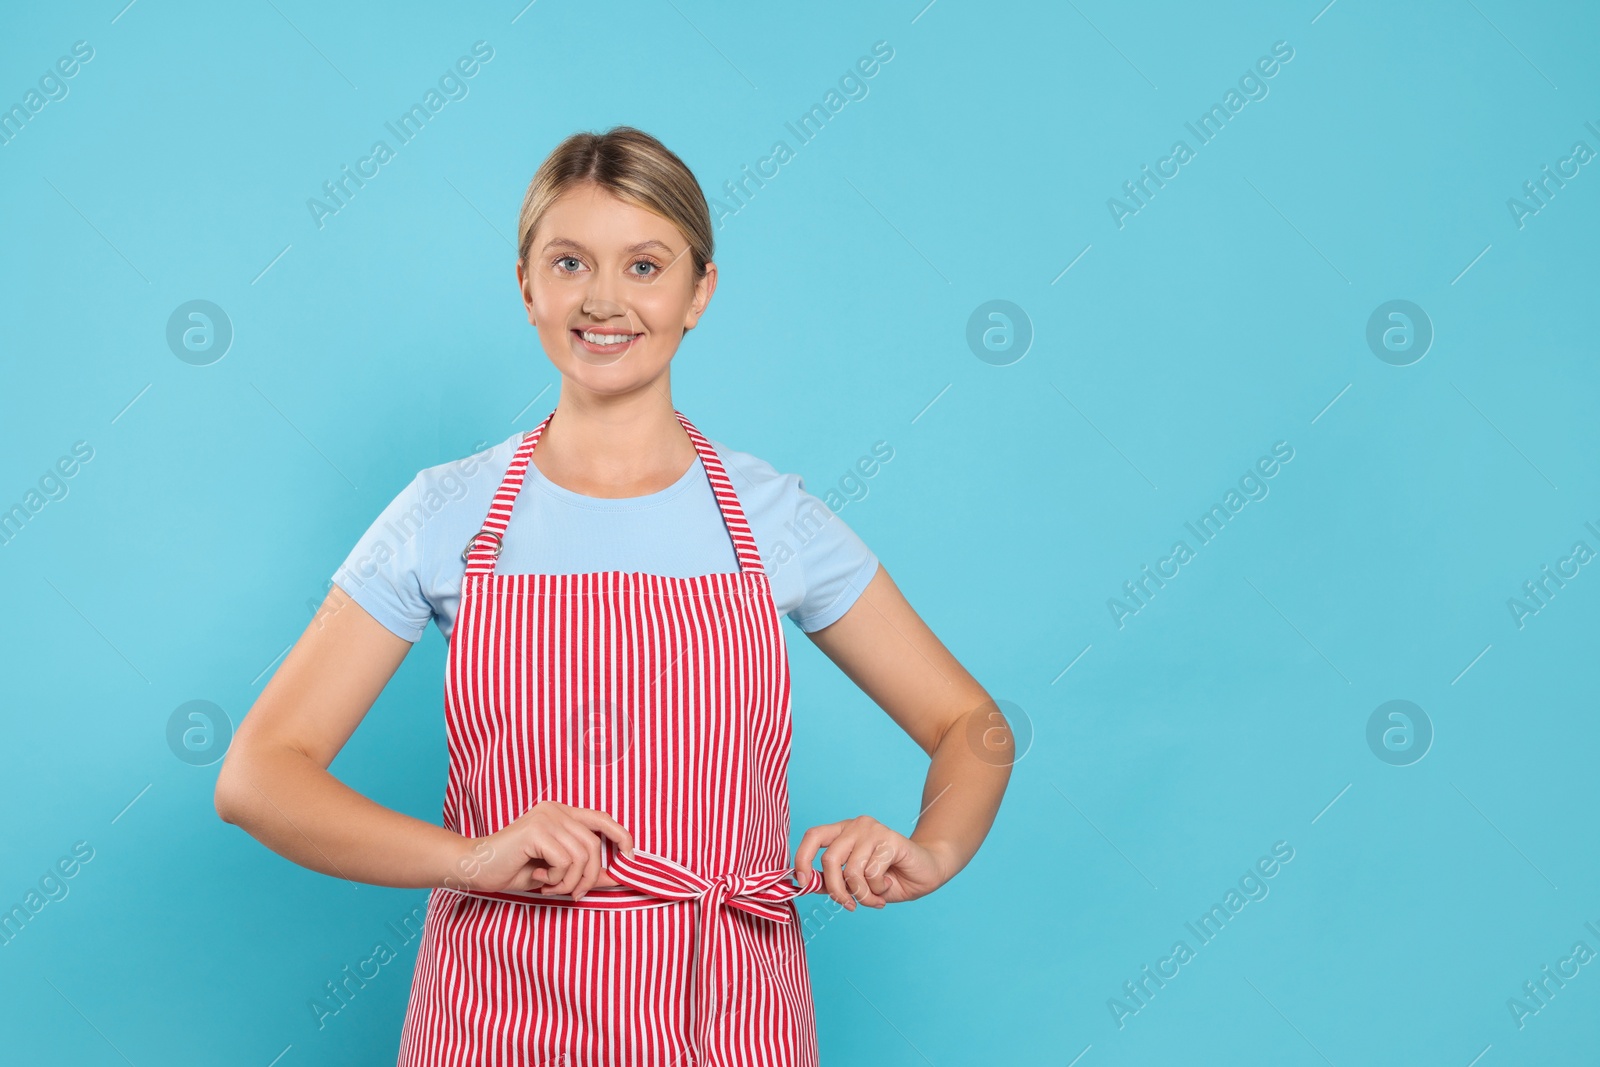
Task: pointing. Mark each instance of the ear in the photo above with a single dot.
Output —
(703, 288)
(525, 288)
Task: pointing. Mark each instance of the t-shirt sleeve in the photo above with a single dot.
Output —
(835, 562)
(383, 572)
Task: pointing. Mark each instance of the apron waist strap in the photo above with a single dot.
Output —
(764, 894)
(652, 881)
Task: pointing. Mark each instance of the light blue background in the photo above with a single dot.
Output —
(1230, 313)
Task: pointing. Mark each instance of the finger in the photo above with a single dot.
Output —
(850, 864)
(526, 848)
(877, 869)
(533, 874)
(813, 839)
(832, 869)
(535, 844)
(856, 867)
(591, 865)
(572, 841)
(586, 853)
(554, 854)
(602, 823)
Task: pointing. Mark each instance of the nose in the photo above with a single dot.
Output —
(600, 297)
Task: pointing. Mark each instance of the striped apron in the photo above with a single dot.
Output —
(663, 702)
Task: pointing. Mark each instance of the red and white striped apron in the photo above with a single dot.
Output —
(663, 702)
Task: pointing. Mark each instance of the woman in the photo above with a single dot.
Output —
(612, 883)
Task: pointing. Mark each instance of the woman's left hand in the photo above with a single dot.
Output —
(865, 860)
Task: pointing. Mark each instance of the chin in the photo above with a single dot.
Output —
(617, 380)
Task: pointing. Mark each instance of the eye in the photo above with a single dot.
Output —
(562, 259)
(648, 263)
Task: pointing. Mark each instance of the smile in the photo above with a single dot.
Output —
(596, 341)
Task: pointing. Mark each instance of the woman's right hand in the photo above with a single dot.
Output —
(552, 848)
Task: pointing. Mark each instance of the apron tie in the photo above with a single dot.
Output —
(650, 880)
(763, 894)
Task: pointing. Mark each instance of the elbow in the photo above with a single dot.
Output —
(231, 783)
(987, 732)
(222, 800)
(248, 772)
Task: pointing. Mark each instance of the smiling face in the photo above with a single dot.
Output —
(611, 288)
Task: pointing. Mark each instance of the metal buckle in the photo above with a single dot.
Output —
(473, 540)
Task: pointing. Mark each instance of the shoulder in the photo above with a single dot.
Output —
(444, 504)
(818, 565)
(469, 474)
(771, 498)
(764, 491)
(748, 469)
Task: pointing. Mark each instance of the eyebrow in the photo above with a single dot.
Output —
(567, 242)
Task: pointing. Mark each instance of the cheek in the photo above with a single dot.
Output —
(658, 310)
(553, 304)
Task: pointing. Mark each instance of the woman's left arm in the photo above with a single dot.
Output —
(883, 646)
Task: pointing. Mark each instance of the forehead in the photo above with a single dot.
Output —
(596, 219)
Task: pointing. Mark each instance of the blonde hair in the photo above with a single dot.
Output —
(632, 166)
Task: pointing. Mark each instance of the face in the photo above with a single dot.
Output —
(601, 266)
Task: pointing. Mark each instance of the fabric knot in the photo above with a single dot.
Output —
(764, 894)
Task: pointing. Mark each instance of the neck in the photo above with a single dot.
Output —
(614, 446)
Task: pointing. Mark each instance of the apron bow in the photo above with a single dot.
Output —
(764, 894)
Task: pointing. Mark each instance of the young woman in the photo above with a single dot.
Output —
(612, 883)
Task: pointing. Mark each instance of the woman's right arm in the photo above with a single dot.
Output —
(275, 784)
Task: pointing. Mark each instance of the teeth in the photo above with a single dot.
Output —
(608, 338)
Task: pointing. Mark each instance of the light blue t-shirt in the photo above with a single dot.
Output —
(407, 567)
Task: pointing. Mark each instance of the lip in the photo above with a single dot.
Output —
(602, 350)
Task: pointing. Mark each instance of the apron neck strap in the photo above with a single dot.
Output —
(484, 548)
